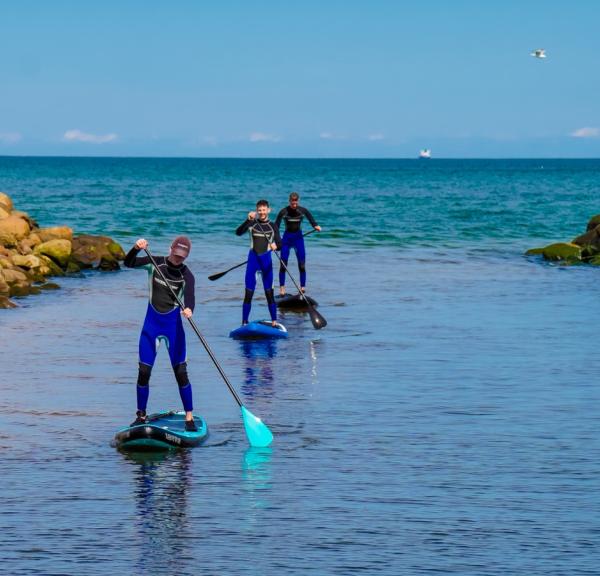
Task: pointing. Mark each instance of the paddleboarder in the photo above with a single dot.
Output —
(163, 321)
(264, 238)
(293, 214)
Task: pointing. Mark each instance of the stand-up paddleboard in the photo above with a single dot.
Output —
(294, 302)
(162, 431)
(261, 329)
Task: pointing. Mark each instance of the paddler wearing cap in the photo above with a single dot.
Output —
(163, 321)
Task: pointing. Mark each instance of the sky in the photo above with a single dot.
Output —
(367, 79)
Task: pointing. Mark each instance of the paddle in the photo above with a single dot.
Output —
(257, 431)
(221, 274)
(317, 319)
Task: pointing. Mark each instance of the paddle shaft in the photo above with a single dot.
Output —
(214, 277)
(193, 325)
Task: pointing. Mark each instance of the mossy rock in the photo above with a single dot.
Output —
(58, 250)
(6, 302)
(20, 289)
(561, 251)
(49, 267)
(593, 222)
(96, 252)
(49, 286)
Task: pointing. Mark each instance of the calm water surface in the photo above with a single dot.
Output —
(446, 420)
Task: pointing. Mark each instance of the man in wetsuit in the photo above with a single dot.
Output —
(264, 237)
(293, 215)
(163, 321)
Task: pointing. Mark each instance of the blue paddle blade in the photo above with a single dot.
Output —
(257, 431)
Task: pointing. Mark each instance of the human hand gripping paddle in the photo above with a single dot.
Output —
(221, 274)
(257, 431)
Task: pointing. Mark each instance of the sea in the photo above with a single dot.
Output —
(446, 421)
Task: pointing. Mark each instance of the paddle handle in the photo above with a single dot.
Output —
(198, 333)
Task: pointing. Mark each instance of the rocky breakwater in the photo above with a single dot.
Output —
(29, 255)
(583, 249)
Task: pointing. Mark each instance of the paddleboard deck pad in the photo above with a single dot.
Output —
(294, 302)
(162, 431)
(258, 330)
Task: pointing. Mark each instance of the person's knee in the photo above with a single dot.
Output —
(248, 296)
(181, 374)
(144, 374)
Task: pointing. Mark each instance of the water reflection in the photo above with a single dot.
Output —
(256, 473)
(258, 368)
(162, 481)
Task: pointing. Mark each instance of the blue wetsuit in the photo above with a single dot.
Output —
(262, 233)
(293, 238)
(163, 322)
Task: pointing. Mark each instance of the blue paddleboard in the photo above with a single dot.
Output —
(162, 431)
(261, 329)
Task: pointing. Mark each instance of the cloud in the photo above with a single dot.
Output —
(586, 132)
(262, 137)
(10, 137)
(375, 137)
(79, 136)
(326, 136)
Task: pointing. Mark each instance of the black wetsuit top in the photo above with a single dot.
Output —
(262, 233)
(293, 218)
(179, 278)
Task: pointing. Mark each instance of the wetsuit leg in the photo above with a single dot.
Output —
(301, 257)
(250, 280)
(285, 256)
(266, 269)
(147, 354)
(177, 355)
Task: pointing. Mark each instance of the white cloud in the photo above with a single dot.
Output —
(375, 137)
(326, 136)
(10, 137)
(262, 137)
(79, 136)
(587, 132)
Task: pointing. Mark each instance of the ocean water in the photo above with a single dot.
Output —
(445, 421)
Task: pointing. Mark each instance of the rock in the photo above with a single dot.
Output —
(29, 261)
(96, 252)
(55, 233)
(594, 221)
(49, 286)
(57, 250)
(27, 245)
(13, 229)
(5, 302)
(13, 276)
(21, 289)
(6, 202)
(4, 213)
(4, 287)
(32, 223)
(49, 267)
(565, 251)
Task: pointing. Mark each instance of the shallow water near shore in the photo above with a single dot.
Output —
(446, 420)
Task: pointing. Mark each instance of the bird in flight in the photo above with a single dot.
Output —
(538, 53)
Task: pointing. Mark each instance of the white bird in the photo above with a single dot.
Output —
(538, 53)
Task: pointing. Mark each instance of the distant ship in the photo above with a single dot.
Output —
(425, 153)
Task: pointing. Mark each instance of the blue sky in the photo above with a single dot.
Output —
(299, 79)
